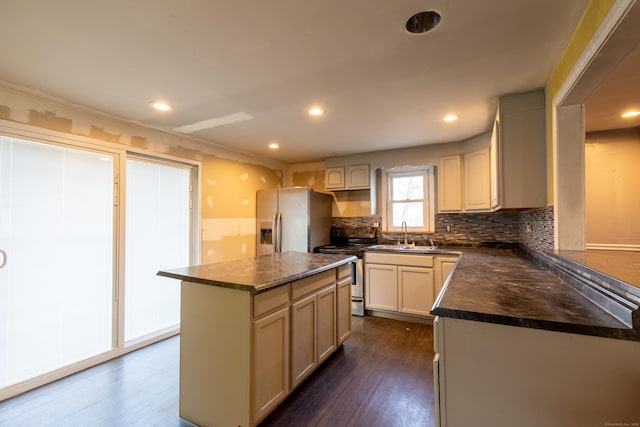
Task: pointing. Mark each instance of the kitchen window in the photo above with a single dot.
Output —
(409, 196)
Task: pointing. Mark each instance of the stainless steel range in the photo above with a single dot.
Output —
(352, 241)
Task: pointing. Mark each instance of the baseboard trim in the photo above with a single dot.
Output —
(613, 247)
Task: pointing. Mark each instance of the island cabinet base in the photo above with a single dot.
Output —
(241, 354)
(215, 356)
(488, 375)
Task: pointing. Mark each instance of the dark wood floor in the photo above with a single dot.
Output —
(381, 377)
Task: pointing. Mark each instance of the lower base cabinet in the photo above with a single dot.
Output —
(488, 375)
(443, 266)
(415, 290)
(271, 361)
(399, 283)
(242, 355)
(313, 324)
(343, 314)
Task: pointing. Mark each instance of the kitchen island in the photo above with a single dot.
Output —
(517, 343)
(253, 329)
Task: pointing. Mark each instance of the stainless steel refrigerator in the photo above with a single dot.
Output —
(292, 219)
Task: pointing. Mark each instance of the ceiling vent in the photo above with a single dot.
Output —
(422, 22)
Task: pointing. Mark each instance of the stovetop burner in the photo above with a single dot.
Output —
(349, 241)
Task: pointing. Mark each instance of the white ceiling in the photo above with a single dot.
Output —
(382, 87)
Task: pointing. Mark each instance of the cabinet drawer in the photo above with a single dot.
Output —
(344, 271)
(310, 284)
(399, 259)
(269, 300)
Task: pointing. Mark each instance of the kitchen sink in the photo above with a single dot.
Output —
(403, 248)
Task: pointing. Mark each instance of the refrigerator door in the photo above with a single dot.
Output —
(266, 226)
(319, 219)
(293, 206)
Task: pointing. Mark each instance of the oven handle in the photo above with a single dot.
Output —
(357, 277)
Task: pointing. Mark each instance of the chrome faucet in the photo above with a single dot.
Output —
(404, 227)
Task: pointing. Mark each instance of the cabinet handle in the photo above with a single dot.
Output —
(4, 258)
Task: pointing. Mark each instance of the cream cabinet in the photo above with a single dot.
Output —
(400, 283)
(450, 184)
(464, 180)
(508, 170)
(334, 178)
(381, 286)
(443, 266)
(343, 303)
(415, 290)
(519, 152)
(313, 323)
(535, 377)
(241, 354)
(355, 177)
(477, 180)
(271, 361)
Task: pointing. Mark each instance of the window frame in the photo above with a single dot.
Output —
(428, 208)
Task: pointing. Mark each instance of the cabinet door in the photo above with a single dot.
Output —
(270, 362)
(450, 184)
(334, 178)
(415, 290)
(494, 166)
(477, 180)
(326, 323)
(303, 338)
(381, 286)
(344, 309)
(443, 268)
(358, 177)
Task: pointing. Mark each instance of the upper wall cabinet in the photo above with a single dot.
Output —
(356, 177)
(464, 182)
(518, 152)
(450, 184)
(477, 180)
(504, 169)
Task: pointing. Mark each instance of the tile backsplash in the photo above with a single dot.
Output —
(533, 228)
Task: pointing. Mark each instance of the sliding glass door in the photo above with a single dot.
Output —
(79, 253)
(158, 236)
(57, 231)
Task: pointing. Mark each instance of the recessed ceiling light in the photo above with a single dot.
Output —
(274, 145)
(422, 22)
(450, 118)
(631, 114)
(316, 111)
(161, 105)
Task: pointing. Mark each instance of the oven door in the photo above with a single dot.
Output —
(357, 288)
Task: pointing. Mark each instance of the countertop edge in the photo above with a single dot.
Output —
(262, 287)
(623, 332)
(307, 273)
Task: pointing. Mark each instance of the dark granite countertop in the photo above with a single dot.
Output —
(260, 273)
(505, 287)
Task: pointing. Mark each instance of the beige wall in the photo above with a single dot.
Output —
(613, 187)
(229, 179)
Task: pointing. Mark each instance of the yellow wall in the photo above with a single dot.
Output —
(229, 207)
(313, 179)
(593, 17)
(229, 179)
